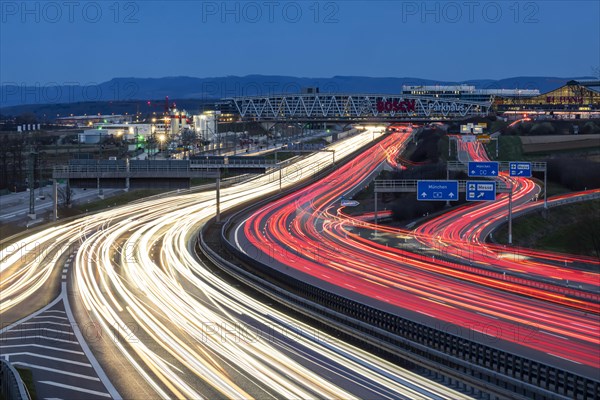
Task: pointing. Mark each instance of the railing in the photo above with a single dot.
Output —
(231, 162)
(355, 107)
(483, 367)
(11, 384)
(575, 199)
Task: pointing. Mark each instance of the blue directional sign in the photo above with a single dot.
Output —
(437, 190)
(483, 168)
(520, 168)
(481, 191)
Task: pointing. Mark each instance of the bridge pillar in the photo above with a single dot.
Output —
(100, 193)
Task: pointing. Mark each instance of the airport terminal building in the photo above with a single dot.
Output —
(574, 100)
(466, 92)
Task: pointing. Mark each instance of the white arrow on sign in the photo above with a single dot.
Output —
(451, 195)
(423, 194)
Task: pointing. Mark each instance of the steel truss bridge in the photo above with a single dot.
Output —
(355, 108)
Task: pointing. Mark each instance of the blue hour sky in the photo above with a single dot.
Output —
(94, 41)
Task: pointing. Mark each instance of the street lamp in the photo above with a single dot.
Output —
(162, 138)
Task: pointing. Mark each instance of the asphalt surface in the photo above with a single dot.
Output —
(50, 343)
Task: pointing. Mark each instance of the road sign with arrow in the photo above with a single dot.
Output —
(481, 191)
(437, 190)
(483, 168)
(520, 168)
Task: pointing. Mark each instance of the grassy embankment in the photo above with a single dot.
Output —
(573, 228)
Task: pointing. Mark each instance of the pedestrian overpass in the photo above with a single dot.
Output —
(355, 108)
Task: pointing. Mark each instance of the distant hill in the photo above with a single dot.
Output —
(124, 90)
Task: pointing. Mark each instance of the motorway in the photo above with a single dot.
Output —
(158, 323)
(530, 305)
(16, 205)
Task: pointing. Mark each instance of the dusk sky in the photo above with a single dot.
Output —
(62, 42)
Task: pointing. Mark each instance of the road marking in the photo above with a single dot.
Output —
(28, 345)
(486, 315)
(78, 389)
(558, 336)
(40, 337)
(564, 358)
(46, 322)
(58, 371)
(56, 311)
(86, 349)
(64, 277)
(51, 316)
(30, 316)
(42, 329)
(51, 358)
(65, 271)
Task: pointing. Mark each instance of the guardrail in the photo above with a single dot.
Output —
(577, 199)
(556, 203)
(482, 367)
(11, 384)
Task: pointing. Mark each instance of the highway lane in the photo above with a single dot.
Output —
(158, 308)
(461, 232)
(16, 205)
(52, 346)
(288, 231)
(469, 225)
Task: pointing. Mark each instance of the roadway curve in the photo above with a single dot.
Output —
(303, 234)
(167, 327)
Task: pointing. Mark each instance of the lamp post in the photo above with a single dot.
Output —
(510, 214)
(161, 140)
(99, 165)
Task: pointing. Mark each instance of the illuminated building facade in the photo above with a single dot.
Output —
(465, 92)
(574, 100)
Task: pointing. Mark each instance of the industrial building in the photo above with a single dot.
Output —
(574, 100)
(81, 121)
(125, 131)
